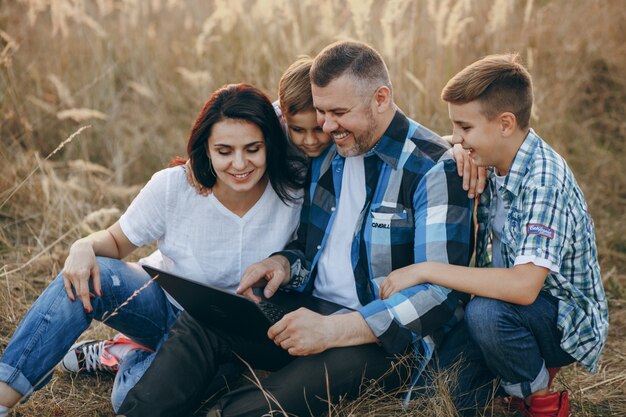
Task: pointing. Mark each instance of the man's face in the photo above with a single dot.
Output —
(347, 117)
(477, 135)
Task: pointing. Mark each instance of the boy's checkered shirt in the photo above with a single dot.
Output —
(548, 219)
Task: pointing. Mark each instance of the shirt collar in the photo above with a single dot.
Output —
(525, 154)
(389, 146)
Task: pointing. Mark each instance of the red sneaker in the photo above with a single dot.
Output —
(554, 404)
(519, 403)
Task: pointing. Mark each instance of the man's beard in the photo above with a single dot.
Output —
(362, 143)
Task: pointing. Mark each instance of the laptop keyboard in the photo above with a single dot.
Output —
(272, 311)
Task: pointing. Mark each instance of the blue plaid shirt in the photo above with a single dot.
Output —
(415, 211)
(548, 219)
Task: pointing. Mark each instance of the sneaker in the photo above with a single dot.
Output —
(555, 404)
(519, 404)
(95, 355)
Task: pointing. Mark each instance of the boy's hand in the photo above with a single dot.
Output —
(398, 280)
(474, 177)
(191, 179)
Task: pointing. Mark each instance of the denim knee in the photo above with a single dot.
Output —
(482, 316)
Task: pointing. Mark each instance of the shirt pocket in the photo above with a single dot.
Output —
(511, 232)
(392, 225)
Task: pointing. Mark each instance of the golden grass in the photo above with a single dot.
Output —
(139, 72)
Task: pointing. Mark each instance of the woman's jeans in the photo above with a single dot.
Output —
(54, 323)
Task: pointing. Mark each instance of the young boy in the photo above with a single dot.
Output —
(295, 105)
(541, 305)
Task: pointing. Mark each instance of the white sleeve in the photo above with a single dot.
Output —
(144, 220)
(544, 263)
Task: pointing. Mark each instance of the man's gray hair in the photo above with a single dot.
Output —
(355, 59)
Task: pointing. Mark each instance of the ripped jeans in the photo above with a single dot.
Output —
(54, 323)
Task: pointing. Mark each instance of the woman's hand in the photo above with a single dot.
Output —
(191, 179)
(81, 263)
(80, 266)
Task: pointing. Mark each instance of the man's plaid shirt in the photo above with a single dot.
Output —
(548, 219)
(415, 210)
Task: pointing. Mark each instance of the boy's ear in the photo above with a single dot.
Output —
(382, 97)
(508, 123)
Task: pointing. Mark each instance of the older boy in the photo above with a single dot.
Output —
(541, 305)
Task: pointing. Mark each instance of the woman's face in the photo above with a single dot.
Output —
(237, 152)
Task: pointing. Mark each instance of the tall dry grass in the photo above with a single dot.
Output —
(138, 72)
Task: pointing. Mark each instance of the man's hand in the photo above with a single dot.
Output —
(302, 332)
(191, 179)
(474, 177)
(271, 272)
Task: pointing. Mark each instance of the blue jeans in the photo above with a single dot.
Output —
(511, 342)
(54, 323)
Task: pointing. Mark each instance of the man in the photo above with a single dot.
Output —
(385, 196)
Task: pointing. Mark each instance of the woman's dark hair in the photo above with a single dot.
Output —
(285, 169)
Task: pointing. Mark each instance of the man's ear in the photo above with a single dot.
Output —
(508, 123)
(382, 99)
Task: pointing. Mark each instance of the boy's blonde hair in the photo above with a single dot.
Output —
(294, 87)
(500, 83)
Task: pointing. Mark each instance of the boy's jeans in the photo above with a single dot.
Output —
(54, 323)
(498, 339)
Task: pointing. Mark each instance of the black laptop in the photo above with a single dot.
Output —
(216, 307)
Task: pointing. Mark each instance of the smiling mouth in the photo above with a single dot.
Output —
(339, 136)
(242, 176)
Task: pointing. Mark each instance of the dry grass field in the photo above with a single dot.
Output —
(131, 75)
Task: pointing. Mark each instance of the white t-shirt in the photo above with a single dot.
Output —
(198, 237)
(335, 277)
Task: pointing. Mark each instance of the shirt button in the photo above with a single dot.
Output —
(333, 208)
(338, 169)
(319, 247)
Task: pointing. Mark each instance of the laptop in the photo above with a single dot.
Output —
(216, 307)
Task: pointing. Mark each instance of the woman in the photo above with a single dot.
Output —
(238, 149)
